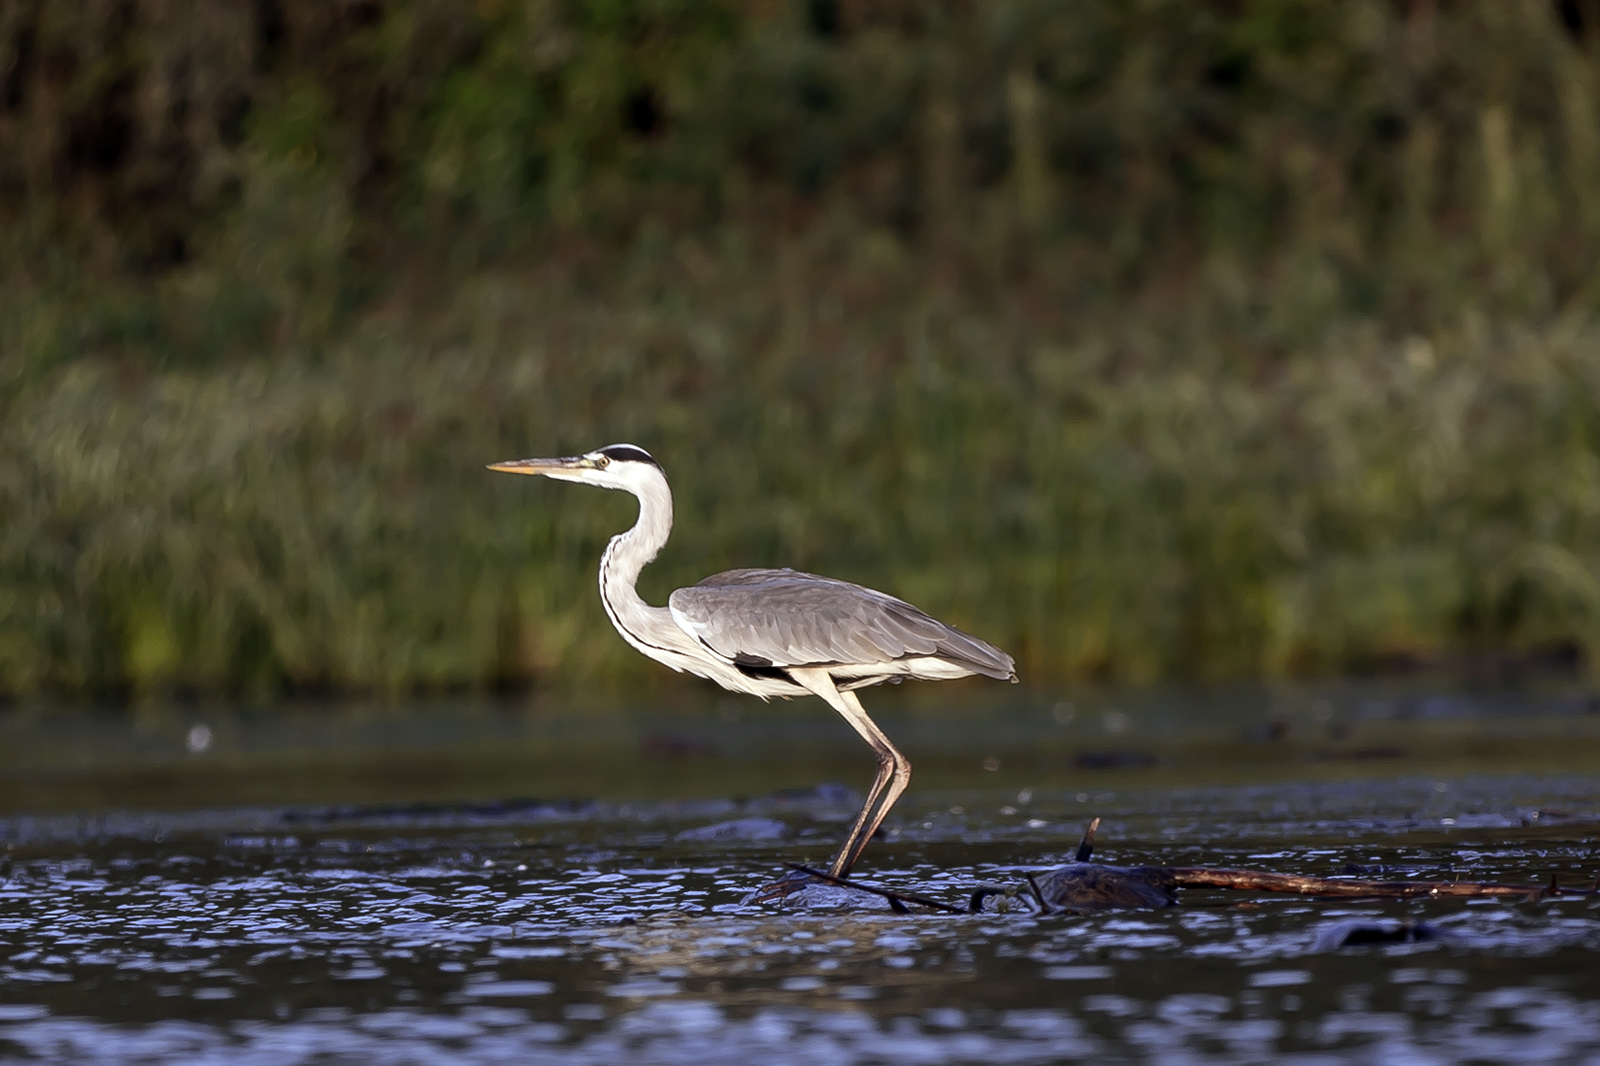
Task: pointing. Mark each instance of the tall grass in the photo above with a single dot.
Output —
(1146, 340)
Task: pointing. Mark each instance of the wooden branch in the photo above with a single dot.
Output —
(1086, 845)
(1346, 888)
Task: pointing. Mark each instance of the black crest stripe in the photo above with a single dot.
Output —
(627, 453)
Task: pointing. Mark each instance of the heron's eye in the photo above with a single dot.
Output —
(602, 461)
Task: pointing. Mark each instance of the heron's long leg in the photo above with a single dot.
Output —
(899, 778)
(894, 769)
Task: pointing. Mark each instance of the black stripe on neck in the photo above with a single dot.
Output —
(611, 612)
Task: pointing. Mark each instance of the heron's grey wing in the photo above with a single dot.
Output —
(788, 618)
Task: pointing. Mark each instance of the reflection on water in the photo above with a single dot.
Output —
(355, 924)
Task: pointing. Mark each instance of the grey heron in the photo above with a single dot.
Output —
(771, 632)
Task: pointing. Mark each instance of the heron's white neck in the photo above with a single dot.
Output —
(650, 629)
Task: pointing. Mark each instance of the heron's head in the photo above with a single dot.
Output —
(616, 466)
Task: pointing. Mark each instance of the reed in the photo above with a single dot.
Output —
(1148, 341)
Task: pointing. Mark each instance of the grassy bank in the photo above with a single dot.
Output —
(1109, 500)
(1146, 341)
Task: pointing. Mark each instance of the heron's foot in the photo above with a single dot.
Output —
(784, 887)
(807, 887)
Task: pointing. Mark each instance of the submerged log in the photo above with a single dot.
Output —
(1082, 886)
(1088, 886)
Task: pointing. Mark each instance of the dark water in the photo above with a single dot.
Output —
(398, 903)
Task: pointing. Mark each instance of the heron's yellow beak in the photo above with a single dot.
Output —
(565, 469)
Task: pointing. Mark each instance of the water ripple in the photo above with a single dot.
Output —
(605, 932)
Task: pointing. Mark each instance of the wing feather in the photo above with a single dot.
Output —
(791, 618)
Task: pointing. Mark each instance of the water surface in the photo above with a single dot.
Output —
(458, 884)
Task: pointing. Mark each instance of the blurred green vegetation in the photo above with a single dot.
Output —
(1146, 339)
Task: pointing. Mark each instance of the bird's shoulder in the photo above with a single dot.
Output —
(743, 578)
(776, 586)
